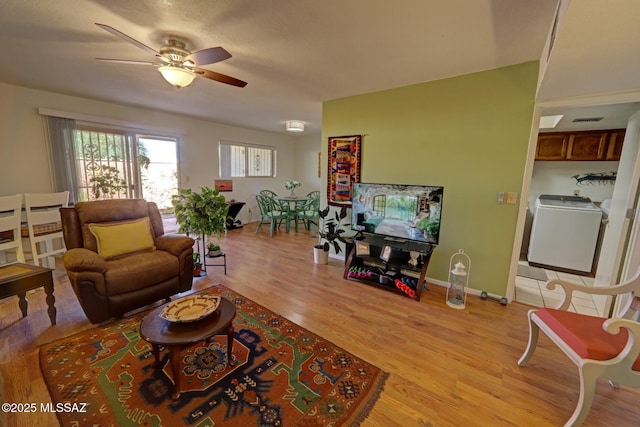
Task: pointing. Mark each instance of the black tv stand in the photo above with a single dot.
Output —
(395, 273)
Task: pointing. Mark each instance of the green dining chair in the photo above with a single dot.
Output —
(270, 211)
(268, 193)
(309, 212)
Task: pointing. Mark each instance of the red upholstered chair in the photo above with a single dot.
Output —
(601, 348)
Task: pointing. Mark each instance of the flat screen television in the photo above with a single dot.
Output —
(410, 212)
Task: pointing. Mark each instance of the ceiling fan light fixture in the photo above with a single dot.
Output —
(294, 126)
(177, 76)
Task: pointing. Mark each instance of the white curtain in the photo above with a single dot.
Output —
(224, 156)
(61, 134)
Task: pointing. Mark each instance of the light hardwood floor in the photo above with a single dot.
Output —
(448, 367)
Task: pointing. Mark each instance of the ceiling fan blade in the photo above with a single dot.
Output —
(208, 56)
(219, 77)
(126, 38)
(126, 61)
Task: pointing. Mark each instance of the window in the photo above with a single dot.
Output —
(246, 160)
(95, 161)
(396, 207)
(103, 164)
(379, 205)
(116, 164)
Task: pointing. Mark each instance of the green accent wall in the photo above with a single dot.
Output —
(469, 134)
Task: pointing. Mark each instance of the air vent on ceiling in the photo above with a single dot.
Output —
(587, 119)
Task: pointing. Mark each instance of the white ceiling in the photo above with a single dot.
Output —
(296, 54)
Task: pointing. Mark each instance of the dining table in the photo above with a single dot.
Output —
(295, 204)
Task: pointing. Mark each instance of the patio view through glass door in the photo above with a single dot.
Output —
(159, 177)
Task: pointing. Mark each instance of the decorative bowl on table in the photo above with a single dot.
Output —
(190, 308)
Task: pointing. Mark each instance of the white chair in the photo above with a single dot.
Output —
(10, 240)
(600, 348)
(45, 226)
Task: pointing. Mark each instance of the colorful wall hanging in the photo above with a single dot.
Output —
(344, 168)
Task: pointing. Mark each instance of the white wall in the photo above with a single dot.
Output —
(557, 178)
(306, 168)
(25, 162)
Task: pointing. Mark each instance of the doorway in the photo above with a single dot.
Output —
(576, 118)
(159, 174)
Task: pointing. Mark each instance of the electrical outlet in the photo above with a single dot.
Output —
(500, 198)
(512, 198)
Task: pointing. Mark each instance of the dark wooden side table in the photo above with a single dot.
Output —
(17, 279)
(179, 336)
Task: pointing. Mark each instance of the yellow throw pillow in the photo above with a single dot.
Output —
(122, 238)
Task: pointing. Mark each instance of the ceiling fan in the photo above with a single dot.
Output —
(177, 65)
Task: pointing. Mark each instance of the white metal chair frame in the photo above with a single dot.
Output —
(42, 209)
(617, 369)
(10, 217)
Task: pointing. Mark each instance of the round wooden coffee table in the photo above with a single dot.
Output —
(179, 336)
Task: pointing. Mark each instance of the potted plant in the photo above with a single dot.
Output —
(329, 234)
(213, 249)
(201, 213)
(197, 265)
(291, 186)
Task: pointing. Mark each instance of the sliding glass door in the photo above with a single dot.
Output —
(115, 164)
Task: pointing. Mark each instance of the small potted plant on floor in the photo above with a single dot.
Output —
(330, 231)
(197, 265)
(213, 250)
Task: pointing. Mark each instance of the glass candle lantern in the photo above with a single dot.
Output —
(458, 279)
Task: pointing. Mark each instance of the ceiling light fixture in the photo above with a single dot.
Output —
(548, 122)
(177, 76)
(294, 126)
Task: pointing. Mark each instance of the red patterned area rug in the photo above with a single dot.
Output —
(284, 375)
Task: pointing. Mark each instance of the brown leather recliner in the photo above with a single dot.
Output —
(110, 288)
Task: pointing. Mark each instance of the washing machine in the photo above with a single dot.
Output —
(564, 232)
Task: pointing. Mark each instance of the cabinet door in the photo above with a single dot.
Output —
(614, 149)
(587, 146)
(552, 146)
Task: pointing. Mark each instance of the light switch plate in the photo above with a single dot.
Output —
(512, 198)
(500, 198)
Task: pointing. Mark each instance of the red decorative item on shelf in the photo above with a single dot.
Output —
(405, 288)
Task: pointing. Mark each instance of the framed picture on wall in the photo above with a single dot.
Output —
(343, 168)
(223, 185)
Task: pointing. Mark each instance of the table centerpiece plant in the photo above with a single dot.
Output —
(291, 186)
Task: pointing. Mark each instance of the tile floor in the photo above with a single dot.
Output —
(533, 292)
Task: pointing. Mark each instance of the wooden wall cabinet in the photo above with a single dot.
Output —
(587, 146)
(552, 147)
(583, 146)
(614, 148)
